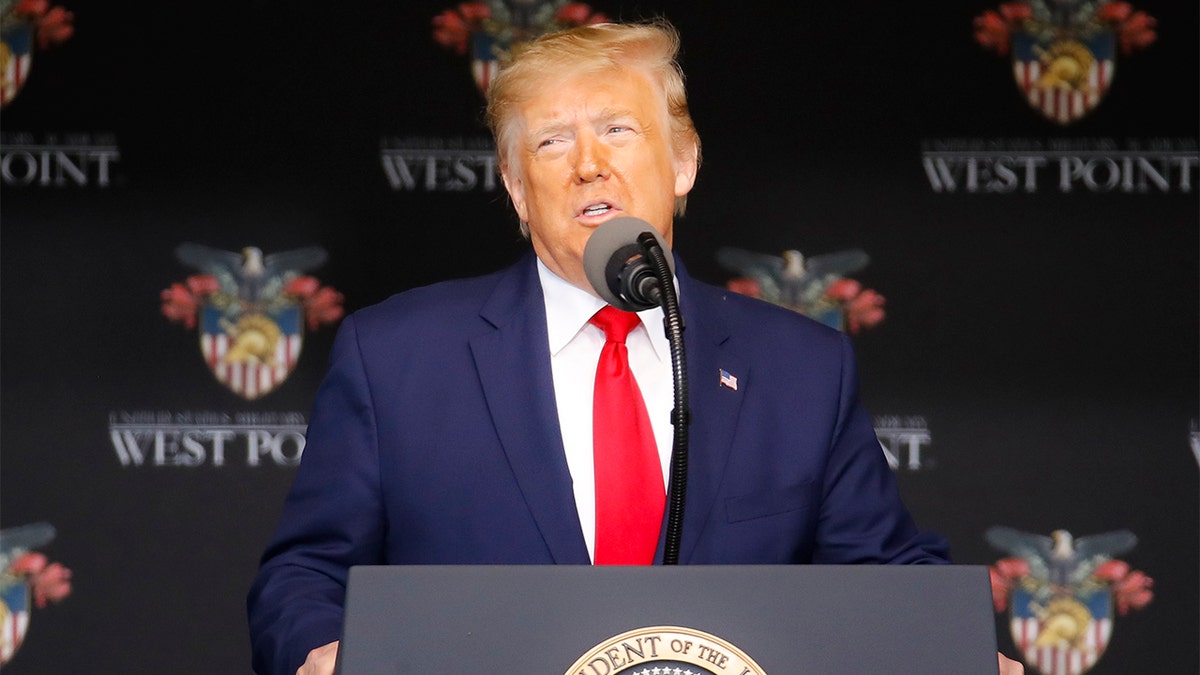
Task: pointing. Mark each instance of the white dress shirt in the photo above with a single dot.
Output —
(575, 346)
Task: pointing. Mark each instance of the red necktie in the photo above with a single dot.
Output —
(630, 496)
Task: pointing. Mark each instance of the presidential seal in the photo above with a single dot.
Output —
(665, 650)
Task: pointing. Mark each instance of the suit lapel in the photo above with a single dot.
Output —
(514, 369)
(714, 407)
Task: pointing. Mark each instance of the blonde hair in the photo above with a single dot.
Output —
(649, 47)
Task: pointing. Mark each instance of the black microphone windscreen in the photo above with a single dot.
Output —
(617, 237)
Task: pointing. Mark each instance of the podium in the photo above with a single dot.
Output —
(704, 620)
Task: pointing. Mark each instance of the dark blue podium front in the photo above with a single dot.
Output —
(786, 620)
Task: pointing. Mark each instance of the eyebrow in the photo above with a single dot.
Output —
(548, 129)
(603, 115)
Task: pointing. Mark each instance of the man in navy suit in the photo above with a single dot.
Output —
(455, 425)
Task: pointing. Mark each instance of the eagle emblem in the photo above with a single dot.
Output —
(251, 310)
(489, 30)
(1060, 592)
(1064, 52)
(815, 286)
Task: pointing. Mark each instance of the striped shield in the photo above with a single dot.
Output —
(251, 353)
(16, 58)
(1064, 635)
(484, 61)
(1064, 78)
(14, 614)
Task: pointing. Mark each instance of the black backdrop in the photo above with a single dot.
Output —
(1046, 340)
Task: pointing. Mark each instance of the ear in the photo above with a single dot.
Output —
(516, 192)
(686, 166)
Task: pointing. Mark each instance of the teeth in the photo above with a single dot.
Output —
(594, 210)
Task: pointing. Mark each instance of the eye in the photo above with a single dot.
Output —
(547, 142)
(618, 129)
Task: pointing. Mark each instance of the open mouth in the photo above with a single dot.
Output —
(597, 209)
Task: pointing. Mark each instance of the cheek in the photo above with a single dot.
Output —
(667, 182)
(543, 185)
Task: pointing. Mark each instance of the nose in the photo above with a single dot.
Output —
(591, 159)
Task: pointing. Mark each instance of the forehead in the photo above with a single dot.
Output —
(604, 93)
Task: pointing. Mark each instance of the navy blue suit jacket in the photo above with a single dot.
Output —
(435, 439)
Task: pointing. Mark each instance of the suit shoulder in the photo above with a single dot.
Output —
(445, 303)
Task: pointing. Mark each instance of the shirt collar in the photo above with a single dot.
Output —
(569, 308)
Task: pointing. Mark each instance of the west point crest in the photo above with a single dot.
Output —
(1064, 52)
(817, 286)
(1063, 593)
(27, 580)
(489, 30)
(251, 310)
(27, 26)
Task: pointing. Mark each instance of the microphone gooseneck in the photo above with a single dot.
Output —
(629, 265)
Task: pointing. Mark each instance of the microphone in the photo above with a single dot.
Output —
(630, 265)
(619, 269)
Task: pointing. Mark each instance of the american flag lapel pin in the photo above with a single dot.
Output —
(728, 380)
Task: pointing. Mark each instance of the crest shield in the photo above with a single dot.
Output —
(14, 614)
(484, 64)
(251, 352)
(1064, 635)
(1064, 78)
(16, 59)
(1064, 52)
(23, 26)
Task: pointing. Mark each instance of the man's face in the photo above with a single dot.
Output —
(590, 149)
